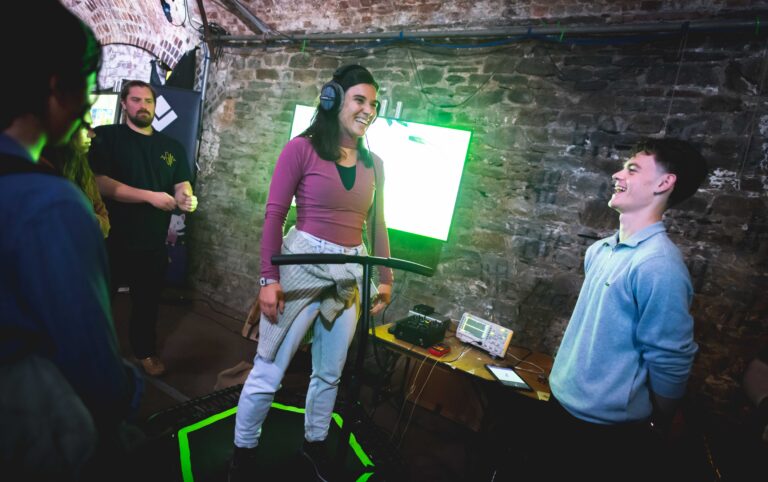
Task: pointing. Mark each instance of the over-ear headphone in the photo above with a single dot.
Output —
(332, 93)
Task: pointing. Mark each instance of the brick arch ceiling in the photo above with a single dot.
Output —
(137, 23)
(141, 22)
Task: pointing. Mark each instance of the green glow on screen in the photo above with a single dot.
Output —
(423, 166)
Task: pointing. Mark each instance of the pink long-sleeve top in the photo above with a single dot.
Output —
(325, 208)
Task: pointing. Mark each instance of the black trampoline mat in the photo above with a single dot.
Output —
(205, 448)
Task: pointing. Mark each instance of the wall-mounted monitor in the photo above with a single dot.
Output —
(423, 165)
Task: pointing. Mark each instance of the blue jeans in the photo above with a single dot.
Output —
(329, 353)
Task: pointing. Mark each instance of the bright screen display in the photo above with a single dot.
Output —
(423, 166)
(104, 110)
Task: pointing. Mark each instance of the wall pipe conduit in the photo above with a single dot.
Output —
(641, 28)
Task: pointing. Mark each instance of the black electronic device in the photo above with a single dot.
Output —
(508, 376)
(423, 327)
(423, 310)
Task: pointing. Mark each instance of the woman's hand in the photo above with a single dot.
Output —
(382, 299)
(271, 299)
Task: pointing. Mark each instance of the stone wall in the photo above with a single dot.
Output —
(551, 122)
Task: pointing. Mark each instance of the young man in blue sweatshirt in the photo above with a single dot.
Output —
(627, 352)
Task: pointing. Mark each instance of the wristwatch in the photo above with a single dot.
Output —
(266, 281)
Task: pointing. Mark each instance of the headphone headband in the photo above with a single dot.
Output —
(332, 93)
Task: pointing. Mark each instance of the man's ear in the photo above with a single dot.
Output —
(63, 98)
(56, 103)
(666, 183)
(54, 88)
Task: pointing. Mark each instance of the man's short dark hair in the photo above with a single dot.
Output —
(71, 55)
(136, 83)
(681, 159)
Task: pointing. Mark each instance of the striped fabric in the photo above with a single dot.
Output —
(337, 286)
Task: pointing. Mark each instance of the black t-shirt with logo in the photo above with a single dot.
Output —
(156, 163)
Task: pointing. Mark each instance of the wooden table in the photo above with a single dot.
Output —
(459, 387)
(533, 367)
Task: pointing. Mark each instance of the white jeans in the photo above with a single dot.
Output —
(329, 353)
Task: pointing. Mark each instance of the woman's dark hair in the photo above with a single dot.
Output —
(72, 55)
(324, 131)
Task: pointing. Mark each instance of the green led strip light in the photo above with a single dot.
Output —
(186, 457)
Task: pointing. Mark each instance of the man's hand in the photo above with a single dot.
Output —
(271, 299)
(662, 418)
(162, 200)
(382, 299)
(186, 201)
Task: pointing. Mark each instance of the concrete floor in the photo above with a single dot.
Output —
(196, 340)
(199, 338)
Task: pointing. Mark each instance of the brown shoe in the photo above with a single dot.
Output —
(152, 366)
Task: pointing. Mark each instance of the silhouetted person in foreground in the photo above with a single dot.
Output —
(64, 390)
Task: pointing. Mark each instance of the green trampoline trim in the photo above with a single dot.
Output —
(186, 457)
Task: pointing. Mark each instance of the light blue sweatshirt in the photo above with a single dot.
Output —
(630, 333)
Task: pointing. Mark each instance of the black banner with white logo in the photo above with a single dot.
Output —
(177, 114)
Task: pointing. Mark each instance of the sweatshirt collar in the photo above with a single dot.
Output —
(638, 237)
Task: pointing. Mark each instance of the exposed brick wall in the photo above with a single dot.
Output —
(124, 62)
(135, 32)
(550, 124)
(387, 15)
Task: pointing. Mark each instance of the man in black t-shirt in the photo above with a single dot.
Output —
(143, 176)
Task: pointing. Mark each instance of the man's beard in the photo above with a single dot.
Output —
(141, 122)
